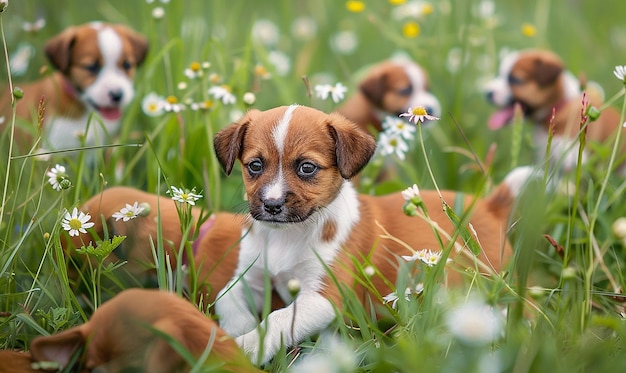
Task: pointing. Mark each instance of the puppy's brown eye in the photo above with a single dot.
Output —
(513, 80)
(307, 169)
(255, 167)
(406, 91)
(93, 68)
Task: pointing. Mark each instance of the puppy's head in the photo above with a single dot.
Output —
(295, 159)
(99, 61)
(534, 79)
(395, 86)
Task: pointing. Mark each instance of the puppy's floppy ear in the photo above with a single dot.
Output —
(374, 88)
(546, 72)
(59, 347)
(138, 41)
(59, 49)
(228, 143)
(353, 146)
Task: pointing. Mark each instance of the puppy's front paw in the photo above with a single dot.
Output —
(250, 343)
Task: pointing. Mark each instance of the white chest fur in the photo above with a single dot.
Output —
(68, 133)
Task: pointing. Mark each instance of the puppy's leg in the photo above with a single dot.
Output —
(312, 312)
(239, 303)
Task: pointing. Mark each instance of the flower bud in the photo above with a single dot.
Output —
(409, 209)
(619, 227)
(18, 92)
(569, 273)
(293, 286)
(65, 184)
(3, 5)
(146, 209)
(593, 113)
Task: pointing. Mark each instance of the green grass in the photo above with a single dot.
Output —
(574, 321)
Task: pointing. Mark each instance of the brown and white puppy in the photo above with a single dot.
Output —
(306, 218)
(126, 333)
(538, 82)
(389, 88)
(215, 247)
(95, 65)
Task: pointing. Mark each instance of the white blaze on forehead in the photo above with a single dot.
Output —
(419, 96)
(275, 190)
(279, 133)
(110, 45)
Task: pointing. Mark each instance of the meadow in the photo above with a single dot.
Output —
(559, 306)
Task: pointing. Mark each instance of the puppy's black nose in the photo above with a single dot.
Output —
(489, 96)
(273, 206)
(116, 95)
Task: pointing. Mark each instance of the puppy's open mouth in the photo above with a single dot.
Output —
(110, 113)
(501, 117)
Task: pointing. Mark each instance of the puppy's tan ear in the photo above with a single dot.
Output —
(546, 72)
(138, 41)
(59, 48)
(353, 146)
(374, 88)
(59, 347)
(228, 143)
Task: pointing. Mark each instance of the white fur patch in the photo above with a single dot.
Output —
(286, 254)
(499, 86)
(420, 96)
(276, 189)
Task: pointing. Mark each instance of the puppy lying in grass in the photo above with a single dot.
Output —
(308, 225)
(143, 330)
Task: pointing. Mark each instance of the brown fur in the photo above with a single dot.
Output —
(120, 335)
(16, 362)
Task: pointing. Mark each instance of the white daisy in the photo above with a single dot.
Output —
(399, 126)
(183, 196)
(128, 212)
(392, 143)
(280, 62)
(411, 192)
(223, 94)
(153, 105)
(475, 322)
(336, 92)
(76, 222)
(620, 72)
(418, 114)
(56, 176)
(265, 32)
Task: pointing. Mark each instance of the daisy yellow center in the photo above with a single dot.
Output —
(184, 196)
(528, 30)
(207, 104)
(260, 70)
(75, 224)
(355, 6)
(195, 66)
(411, 30)
(420, 111)
(171, 99)
(129, 214)
(152, 106)
(226, 88)
(393, 142)
(428, 9)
